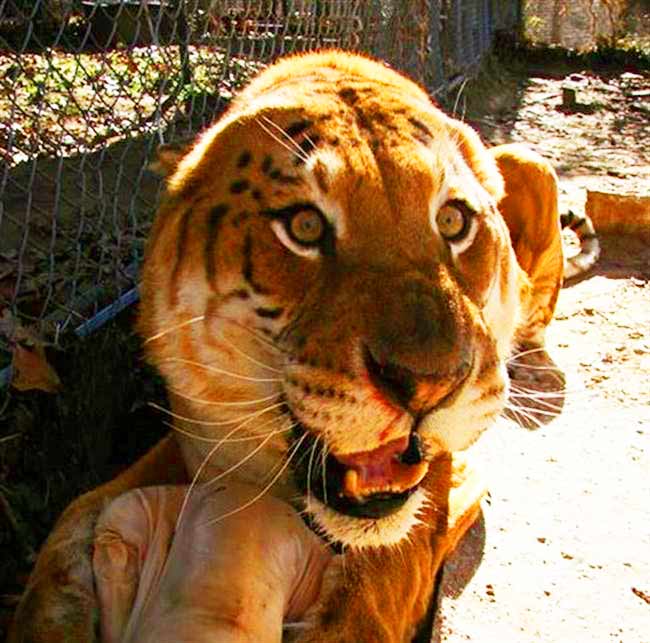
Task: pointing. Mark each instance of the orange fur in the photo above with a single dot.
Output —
(530, 208)
(382, 330)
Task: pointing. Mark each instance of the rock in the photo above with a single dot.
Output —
(619, 213)
(569, 100)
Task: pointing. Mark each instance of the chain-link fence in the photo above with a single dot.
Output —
(89, 89)
(583, 24)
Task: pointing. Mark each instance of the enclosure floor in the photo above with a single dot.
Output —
(561, 552)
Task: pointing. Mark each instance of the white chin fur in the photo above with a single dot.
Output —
(360, 533)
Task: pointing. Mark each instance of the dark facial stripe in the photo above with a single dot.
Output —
(298, 128)
(215, 219)
(280, 177)
(269, 313)
(239, 293)
(267, 164)
(240, 218)
(420, 125)
(247, 269)
(363, 120)
(349, 95)
(237, 187)
(244, 159)
(491, 392)
(288, 211)
(181, 242)
(321, 178)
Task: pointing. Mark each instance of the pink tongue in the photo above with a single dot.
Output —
(379, 470)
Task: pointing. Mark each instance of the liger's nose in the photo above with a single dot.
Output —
(412, 354)
(392, 380)
(417, 330)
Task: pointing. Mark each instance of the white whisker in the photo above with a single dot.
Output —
(296, 151)
(309, 467)
(530, 351)
(162, 333)
(532, 415)
(204, 464)
(248, 357)
(551, 397)
(185, 418)
(243, 460)
(216, 369)
(310, 141)
(260, 338)
(533, 367)
(323, 460)
(543, 403)
(262, 492)
(531, 392)
(198, 400)
(203, 438)
(291, 150)
(525, 419)
(459, 94)
(530, 410)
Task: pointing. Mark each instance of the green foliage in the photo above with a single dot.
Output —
(629, 51)
(77, 101)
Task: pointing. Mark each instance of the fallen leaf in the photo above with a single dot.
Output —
(15, 332)
(7, 323)
(31, 370)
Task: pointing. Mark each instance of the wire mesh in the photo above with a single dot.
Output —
(583, 24)
(90, 88)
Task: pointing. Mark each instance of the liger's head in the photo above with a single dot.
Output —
(329, 273)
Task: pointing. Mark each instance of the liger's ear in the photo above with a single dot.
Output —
(479, 160)
(168, 156)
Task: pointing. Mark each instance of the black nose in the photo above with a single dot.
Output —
(396, 382)
(413, 453)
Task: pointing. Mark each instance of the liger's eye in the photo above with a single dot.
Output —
(453, 220)
(306, 227)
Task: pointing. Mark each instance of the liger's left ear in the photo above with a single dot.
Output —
(479, 159)
(168, 156)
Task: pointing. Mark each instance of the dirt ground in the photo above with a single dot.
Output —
(562, 552)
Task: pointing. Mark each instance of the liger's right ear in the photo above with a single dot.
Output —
(168, 156)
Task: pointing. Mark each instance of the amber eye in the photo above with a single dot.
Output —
(307, 227)
(453, 221)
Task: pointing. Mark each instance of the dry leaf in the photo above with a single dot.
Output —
(31, 370)
(12, 328)
(7, 323)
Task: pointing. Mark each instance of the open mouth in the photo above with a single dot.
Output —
(369, 484)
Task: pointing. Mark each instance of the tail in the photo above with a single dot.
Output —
(583, 228)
